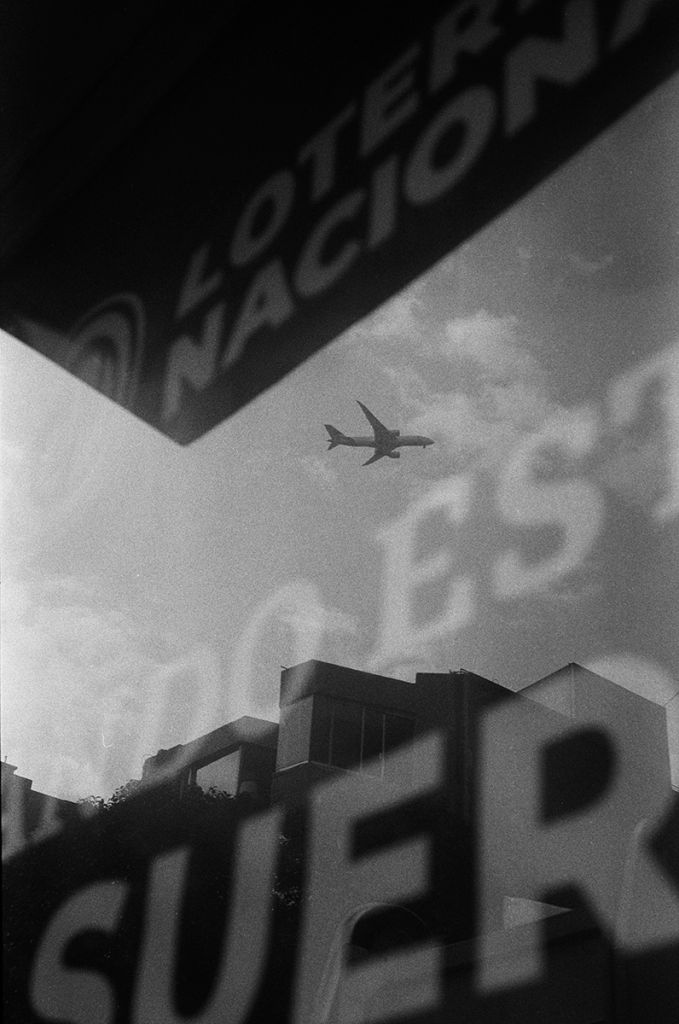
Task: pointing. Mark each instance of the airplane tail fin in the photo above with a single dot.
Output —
(335, 436)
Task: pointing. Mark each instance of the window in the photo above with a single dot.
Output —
(319, 748)
(373, 740)
(397, 731)
(294, 733)
(340, 734)
(221, 775)
(348, 735)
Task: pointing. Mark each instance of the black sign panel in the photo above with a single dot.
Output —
(311, 164)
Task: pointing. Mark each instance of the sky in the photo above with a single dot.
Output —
(152, 592)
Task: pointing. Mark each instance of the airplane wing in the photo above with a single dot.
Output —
(382, 434)
(374, 458)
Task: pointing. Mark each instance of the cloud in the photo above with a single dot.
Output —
(587, 267)
(499, 390)
(455, 420)
(410, 386)
(564, 266)
(400, 319)
(87, 691)
(58, 452)
(491, 346)
(475, 382)
(481, 430)
(319, 469)
(583, 583)
(316, 620)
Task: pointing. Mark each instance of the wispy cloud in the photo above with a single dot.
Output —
(589, 266)
(319, 469)
(489, 343)
(565, 265)
(499, 390)
(474, 382)
(410, 386)
(398, 320)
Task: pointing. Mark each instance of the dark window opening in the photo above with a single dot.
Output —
(220, 775)
(397, 731)
(353, 737)
(347, 732)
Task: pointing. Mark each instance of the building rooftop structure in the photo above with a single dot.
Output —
(235, 758)
(27, 814)
(337, 719)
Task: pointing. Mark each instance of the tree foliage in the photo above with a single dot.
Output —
(190, 796)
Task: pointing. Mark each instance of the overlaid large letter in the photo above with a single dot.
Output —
(340, 885)
(64, 993)
(244, 948)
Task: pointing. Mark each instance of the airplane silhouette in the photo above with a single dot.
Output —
(384, 441)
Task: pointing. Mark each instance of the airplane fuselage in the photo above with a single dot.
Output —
(406, 441)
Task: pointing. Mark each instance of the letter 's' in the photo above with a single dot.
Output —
(244, 949)
(62, 993)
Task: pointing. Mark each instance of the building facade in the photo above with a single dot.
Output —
(541, 833)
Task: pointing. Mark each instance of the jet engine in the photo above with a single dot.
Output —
(393, 455)
(395, 433)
